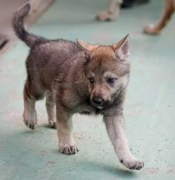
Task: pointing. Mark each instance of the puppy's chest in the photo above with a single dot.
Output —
(87, 109)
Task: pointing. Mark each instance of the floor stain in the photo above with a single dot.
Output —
(149, 171)
(79, 136)
(50, 163)
(169, 171)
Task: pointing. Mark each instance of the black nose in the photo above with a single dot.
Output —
(97, 100)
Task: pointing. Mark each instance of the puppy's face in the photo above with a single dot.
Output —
(107, 73)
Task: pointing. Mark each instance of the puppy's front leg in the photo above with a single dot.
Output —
(67, 144)
(115, 127)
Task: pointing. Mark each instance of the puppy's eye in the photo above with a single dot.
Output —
(111, 80)
(91, 80)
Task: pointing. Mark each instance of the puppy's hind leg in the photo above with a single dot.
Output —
(50, 106)
(33, 91)
(29, 115)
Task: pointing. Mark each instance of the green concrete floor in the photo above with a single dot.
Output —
(149, 108)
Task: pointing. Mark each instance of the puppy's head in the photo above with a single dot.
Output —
(107, 71)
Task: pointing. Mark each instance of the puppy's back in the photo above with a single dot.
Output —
(46, 61)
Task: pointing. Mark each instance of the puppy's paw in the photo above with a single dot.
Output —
(52, 124)
(30, 123)
(105, 16)
(68, 148)
(132, 163)
(151, 29)
(30, 120)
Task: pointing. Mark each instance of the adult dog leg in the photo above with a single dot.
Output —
(112, 11)
(115, 128)
(169, 7)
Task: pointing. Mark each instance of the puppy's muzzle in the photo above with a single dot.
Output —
(97, 101)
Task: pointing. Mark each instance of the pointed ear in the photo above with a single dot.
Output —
(122, 48)
(87, 46)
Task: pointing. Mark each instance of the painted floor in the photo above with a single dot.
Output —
(149, 108)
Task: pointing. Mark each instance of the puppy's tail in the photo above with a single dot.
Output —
(18, 26)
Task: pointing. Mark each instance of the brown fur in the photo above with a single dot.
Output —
(113, 10)
(78, 78)
(169, 8)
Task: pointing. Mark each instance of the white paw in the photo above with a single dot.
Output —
(30, 120)
(132, 163)
(68, 147)
(105, 16)
(151, 29)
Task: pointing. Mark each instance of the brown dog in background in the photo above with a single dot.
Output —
(113, 10)
(169, 8)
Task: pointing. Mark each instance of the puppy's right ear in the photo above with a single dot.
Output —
(87, 46)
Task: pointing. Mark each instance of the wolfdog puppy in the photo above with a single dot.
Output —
(78, 78)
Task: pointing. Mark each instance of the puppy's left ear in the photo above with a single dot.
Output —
(122, 48)
(87, 46)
